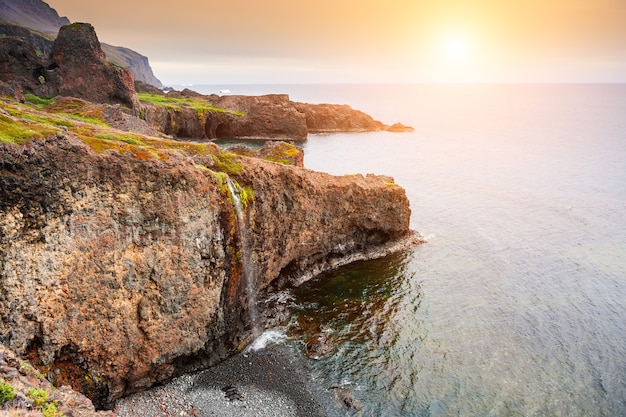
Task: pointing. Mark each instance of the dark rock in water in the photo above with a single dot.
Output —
(346, 399)
(319, 346)
(232, 393)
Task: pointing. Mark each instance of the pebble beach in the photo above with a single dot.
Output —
(267, 382)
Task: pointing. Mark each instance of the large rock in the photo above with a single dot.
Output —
(116, 273)
(74, 65)
(78, 67)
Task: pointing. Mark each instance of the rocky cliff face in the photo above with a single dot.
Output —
(269, 117)
(118, 273)
(137, 64)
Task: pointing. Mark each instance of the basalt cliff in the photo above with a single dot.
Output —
(122, 265)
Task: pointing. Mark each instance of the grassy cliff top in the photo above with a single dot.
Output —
(38, 118)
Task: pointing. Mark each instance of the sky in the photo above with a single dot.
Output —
(365, 41)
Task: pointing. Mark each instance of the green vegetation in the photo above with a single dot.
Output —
(40, 400)
(51, 410)
(246, 195)
(19, 132)
(122, 138)
(283, 153)
(39, 396)
(6, 392)
(226, 162)
(41, 118)
(37, 101)
(173, 103)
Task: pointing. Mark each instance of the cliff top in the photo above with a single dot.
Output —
(38, 118)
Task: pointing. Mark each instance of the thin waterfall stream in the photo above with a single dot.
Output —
(249, 275)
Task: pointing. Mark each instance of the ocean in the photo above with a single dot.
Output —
(516, 305)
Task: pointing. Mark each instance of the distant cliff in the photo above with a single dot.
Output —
(34, 14)
(188, 115)
(40, 17)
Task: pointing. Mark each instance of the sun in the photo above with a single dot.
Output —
(457, 48)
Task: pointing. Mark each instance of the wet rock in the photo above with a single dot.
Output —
(346, 398)
(319, 346)
(232, 393)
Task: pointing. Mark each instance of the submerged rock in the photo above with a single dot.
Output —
(346, 398)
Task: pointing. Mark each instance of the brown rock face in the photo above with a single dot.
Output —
(117, 273)
(328, 118)
(79, 68)
(270, 116)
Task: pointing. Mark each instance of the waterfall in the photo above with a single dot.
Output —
(249, 273)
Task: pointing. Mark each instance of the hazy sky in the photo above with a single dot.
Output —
(310, 41)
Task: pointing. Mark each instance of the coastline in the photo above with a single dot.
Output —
(270, 381)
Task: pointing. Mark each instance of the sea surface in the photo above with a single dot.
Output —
(516, 305)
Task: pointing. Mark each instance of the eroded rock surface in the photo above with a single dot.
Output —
(117, 273)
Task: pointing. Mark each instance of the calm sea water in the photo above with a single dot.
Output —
(516, 306)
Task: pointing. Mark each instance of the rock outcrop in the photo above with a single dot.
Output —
(79, 68)
(75, 66)
(28, 393)
(261, 117)
(118, 273)
(137, 64)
